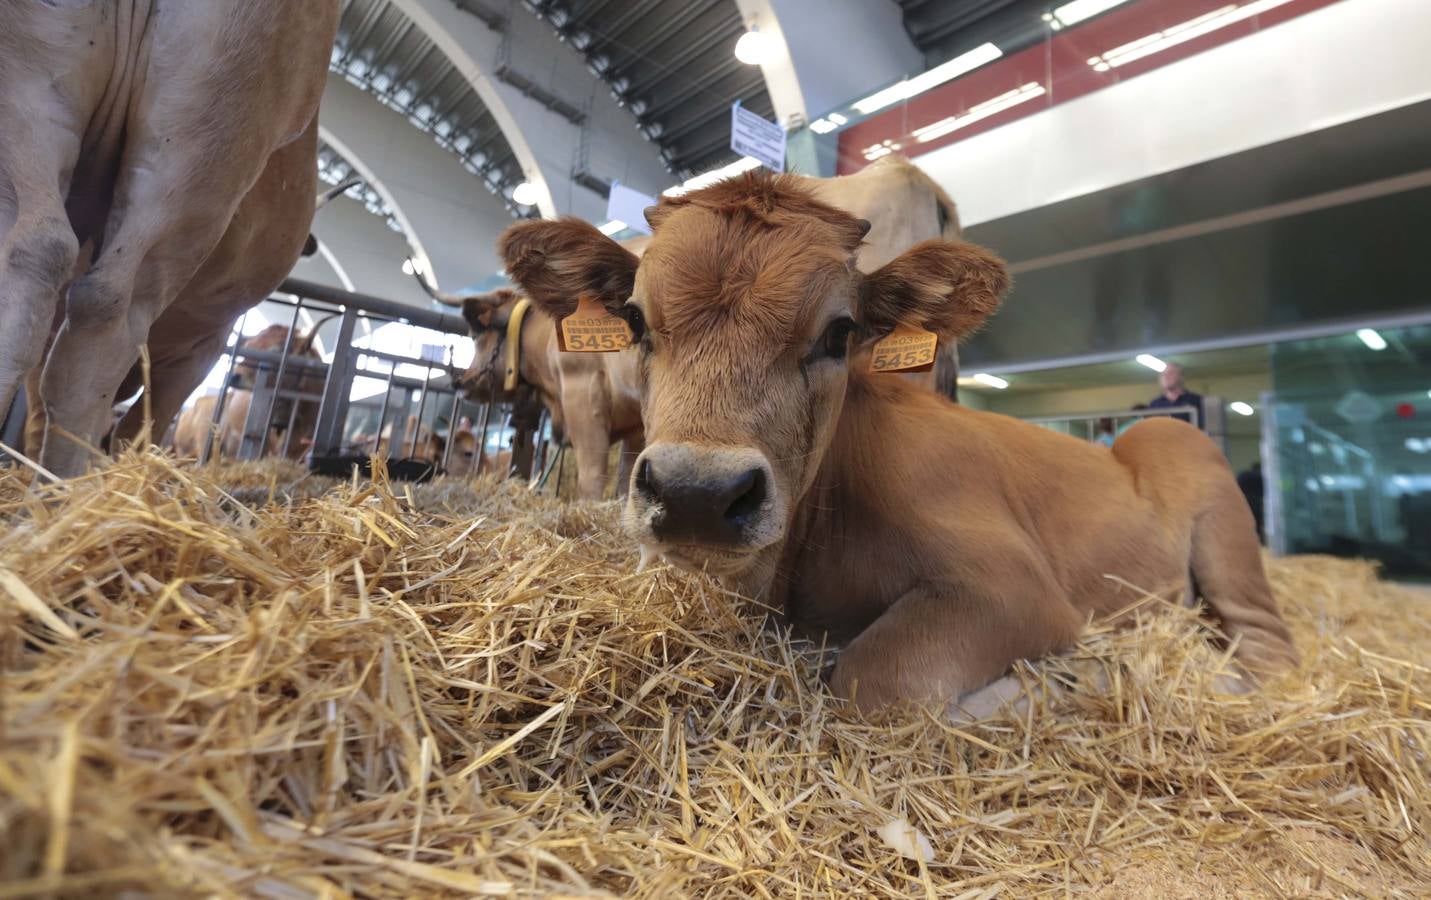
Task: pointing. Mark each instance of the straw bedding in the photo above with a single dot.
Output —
(464, 689)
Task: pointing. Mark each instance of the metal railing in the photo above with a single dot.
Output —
(399, 428)
(1092, 419)
(308, 403)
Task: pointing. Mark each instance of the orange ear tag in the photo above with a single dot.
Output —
(908, 348)
(591, 329)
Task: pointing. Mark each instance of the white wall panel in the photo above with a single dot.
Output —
(1337, 64)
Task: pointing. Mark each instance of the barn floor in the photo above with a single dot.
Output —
(457, 690)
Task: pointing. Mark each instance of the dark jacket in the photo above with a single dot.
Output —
(1186, 398)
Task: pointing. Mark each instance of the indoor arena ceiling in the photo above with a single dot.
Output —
(943, 29)
(669, 62)
(381, 51)
(672, 64)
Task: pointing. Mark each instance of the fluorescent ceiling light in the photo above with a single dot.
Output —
(1242, 409)
(948, 71)
(980, 111)
(744, 164)
(1151, 361)
(1077, 11)
(885, 148)
(753, 48)
(1372, 338)
(612, 227)
(992, 381)
(1159, 41)
(823, 126)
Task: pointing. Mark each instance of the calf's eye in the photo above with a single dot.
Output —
(835, 342)
(634, 319)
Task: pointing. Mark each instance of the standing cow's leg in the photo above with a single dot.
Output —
(38, 247)
(170, 385)
(940, 642)
(163, 233)
(34, 415)
(588, 411)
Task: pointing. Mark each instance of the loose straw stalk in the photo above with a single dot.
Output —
(237, 684)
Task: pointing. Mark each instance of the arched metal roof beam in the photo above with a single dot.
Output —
(507, 70)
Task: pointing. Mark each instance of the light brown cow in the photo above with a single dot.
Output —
(594, 397)
(142, 131)
(428, 447)
(936, 543)
(196, 422)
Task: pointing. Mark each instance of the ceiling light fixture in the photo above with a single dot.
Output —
(992, 381)
(1151, 361)
(1241, 408)
(1181, 33)
(1077, 11)
(753, 48)
(612, 227)
(526, 194)
(948, 71)
(980, 111)
(1372, 338)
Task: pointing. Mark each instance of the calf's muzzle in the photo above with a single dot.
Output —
(707, 496)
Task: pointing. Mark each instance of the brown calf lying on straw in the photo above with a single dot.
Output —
(937, 543)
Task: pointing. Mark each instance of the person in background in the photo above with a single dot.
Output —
(1104, 434)
(1176, 393)
(1137, 407)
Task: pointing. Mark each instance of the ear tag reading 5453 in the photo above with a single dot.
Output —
(591, 329)
(908, 348)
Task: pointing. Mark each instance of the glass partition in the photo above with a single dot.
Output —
(1347, 443)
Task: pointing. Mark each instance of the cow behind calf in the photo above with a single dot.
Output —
(592, 398)
(290, 420)
(936, 543)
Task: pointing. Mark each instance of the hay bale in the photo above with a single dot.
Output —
(458, 689)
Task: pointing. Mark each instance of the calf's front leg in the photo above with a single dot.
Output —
(941, 643)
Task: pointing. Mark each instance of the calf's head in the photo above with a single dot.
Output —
(747, 309)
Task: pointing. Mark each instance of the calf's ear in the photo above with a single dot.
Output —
(948, 287)
(555, 262)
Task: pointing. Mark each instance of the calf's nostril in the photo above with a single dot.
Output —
(644, 485)
(748, 493)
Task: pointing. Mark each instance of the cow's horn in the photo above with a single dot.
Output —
(442, 297)
(336, 191)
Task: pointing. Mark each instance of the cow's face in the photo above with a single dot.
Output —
(748, 308)
(462, 460)
(487, 316)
